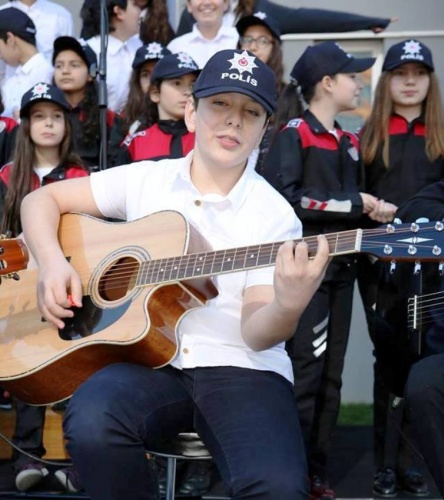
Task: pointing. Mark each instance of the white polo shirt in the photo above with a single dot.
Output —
(35, 70)
(51, 21)
(201, 48)
(119, 60)
(253, 213)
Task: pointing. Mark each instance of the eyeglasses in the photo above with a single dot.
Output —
(262, 41)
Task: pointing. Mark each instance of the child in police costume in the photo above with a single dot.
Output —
(402, 147)
(170, 87)
(232, 378)
(316, 166)
(44, 155)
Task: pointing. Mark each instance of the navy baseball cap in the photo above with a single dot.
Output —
(405, 52)
(80, 47)
(150, 52)
(326, 58)
(18, 23)
(173, 66)
(42, 92)
(259, 18)
(238, 71)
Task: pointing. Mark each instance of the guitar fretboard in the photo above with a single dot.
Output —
(215, 262)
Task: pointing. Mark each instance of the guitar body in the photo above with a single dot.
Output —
(119, 321)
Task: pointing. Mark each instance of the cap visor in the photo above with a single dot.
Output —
(175, 74)
(240, 90)
(245, 22)
(358, 65)
(68, 43)
(398, 63)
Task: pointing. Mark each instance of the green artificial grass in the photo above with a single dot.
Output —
(356, 414)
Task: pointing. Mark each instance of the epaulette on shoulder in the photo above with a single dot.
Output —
(295, 123)
(129, 138)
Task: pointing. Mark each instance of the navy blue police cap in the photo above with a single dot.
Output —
(261, 19)
(42, 92)
(18, 23)
(174, 66)
(238, 71)
(80, 47)
(406, 52)
(150, 52)
(326, 58)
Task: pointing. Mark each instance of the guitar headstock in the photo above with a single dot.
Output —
(14, 255)
(406, 242)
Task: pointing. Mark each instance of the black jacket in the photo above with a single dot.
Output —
(164, 139)
(318, 174)
(8, 132)
(291, 20)
(89, 151)
(409, 169)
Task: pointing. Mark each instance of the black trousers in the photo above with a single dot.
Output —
(384, 298)
(425, 405)
(317, 351)
(28, 432)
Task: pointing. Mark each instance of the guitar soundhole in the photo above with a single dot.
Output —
(119, 279)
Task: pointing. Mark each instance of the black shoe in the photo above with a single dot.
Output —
(413, 483)
(320, 489)
(196, 478)
(384, 483)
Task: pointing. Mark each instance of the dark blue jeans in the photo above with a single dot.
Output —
(247, 419)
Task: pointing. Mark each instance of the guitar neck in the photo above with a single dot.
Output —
(206, 264)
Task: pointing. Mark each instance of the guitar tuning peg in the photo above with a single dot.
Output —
(417, 268)
(441, 268)
(414, 228)
(392, 266)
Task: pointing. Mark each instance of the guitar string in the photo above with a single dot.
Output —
(428, 303)
(180, 264)
(127, 270)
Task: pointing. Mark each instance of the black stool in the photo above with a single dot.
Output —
(186, 446)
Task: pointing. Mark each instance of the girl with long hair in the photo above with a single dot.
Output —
(168, 137)
(402, 146)
(138, 112)
(75, 67)
(43, 154)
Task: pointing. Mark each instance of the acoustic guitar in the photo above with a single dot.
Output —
(139, 278)
(14, 257)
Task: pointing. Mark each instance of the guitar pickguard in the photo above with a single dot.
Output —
(91, 319)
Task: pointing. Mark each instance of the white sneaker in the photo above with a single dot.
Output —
(69, 478)
(30, 475)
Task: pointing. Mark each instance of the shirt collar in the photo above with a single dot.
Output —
(114, 45)
(235, 197)
(315, 124)
(223, 32)
(34, 62)
(25, 8)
